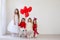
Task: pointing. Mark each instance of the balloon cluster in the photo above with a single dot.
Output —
(26, 11)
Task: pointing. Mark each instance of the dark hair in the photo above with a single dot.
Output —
(35, 19)
(23, 18)
(29, 19)
(17, 12)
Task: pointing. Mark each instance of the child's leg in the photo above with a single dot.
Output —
(25, 33)
(22, 33)
(36, 32)
(30, 34)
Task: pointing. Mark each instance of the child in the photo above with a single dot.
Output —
(13, 25)
(29, 28)
(35, 26)
(22, 23)
(22, 27)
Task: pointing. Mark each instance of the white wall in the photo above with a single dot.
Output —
(47, 12)
(0, 18)
(3, 2)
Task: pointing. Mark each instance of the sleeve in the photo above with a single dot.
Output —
(19, 24)
(25, 25)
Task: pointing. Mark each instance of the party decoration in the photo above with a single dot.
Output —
(26, 11)
(29, 9)
(22, 11)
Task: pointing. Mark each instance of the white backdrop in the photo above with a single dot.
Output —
(47, 12)
(2, 17)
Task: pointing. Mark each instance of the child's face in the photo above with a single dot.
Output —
(34, 21)
(23, 20)
(29, 20)
(16, 11)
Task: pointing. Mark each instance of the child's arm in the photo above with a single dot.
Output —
(14, 20)
(18, 21)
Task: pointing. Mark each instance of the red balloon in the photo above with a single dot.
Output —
(26, 14)
(22, 11)
(25, 9)
(29, 9)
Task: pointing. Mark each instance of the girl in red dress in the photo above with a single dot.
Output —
(22, 23)
(35, 26)
(22, 27)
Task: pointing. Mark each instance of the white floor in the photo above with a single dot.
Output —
(40, 37)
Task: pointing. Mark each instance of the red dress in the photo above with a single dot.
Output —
(35, 29)
(22, 25)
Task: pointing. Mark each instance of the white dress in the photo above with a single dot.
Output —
(29, 29)
(13, 28)
(29, 26)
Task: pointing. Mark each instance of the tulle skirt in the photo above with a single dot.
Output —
(13, 28)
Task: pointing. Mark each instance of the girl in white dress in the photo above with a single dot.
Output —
(29, 28)
(13, 25)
